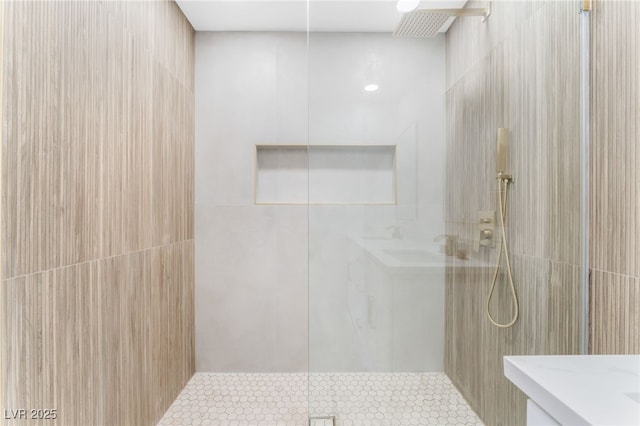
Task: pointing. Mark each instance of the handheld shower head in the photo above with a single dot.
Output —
(502, 144)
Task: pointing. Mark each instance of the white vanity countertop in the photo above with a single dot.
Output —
(581, 389)
(410, 255)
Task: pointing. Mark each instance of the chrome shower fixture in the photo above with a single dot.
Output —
(427, 22)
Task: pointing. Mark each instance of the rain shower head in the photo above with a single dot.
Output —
(427, 22)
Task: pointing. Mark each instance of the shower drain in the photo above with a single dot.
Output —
(322, 421)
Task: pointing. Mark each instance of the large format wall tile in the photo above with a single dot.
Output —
(472, 41)
(272, 279)
(97, 162)
(97, 209)
(520, 78)
(251, 309)
(103, 342)
(474, 348)
(615, 180)
(615, 313)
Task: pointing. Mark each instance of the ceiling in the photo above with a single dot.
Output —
(291, 15)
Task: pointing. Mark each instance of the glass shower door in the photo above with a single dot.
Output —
(376, 244)
(396, 259)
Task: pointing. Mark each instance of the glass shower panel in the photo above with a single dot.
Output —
(389, 246)
(376, 194)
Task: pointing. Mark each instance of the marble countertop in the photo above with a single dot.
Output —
(411, 255)
(581, 389)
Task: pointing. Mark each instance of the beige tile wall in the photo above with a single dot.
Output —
(519, 71)
(615, 179)
(97, 209)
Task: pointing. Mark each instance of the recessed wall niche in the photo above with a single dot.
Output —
(325, 174)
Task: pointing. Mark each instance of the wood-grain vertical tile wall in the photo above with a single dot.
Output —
(516, 71)
(615, 179)
(97, 209)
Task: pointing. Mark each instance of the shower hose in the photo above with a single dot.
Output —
(503, 211)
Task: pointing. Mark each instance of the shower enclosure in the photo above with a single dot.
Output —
(376, 205)
(376, 262)
(376, 276)
(343, 181)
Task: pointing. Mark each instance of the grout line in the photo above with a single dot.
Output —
(96, 260)
(633, 277)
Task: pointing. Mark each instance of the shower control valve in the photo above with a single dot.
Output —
(486, 234)
(485, 229)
